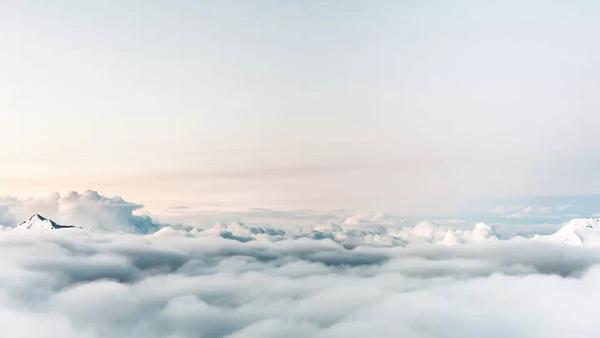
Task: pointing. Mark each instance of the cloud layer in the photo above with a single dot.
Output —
(364, 276)
(178, 284)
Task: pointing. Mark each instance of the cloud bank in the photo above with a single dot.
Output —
(364, 276)
(88, 209)
(175, 284)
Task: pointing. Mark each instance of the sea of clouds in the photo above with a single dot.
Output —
(126, 275)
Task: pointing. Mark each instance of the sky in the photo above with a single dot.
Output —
(299, 168)
(410, 107)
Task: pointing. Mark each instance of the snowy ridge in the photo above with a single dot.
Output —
(580, 231)
(40, 223)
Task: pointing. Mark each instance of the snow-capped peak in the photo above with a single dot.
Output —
(39, 222)
(580, 231)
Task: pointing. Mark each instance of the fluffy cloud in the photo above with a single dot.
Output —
(353, 234)
(189, 283)
(89, 209)
(366, 275)
(93, 211)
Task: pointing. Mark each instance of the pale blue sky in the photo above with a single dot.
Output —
(406, 106)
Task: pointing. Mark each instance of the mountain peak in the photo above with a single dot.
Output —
(579, 231)
(39, 222)
(38, 217)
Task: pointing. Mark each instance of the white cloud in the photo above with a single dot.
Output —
(88, 209)
(238, 280)
(180, 283)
